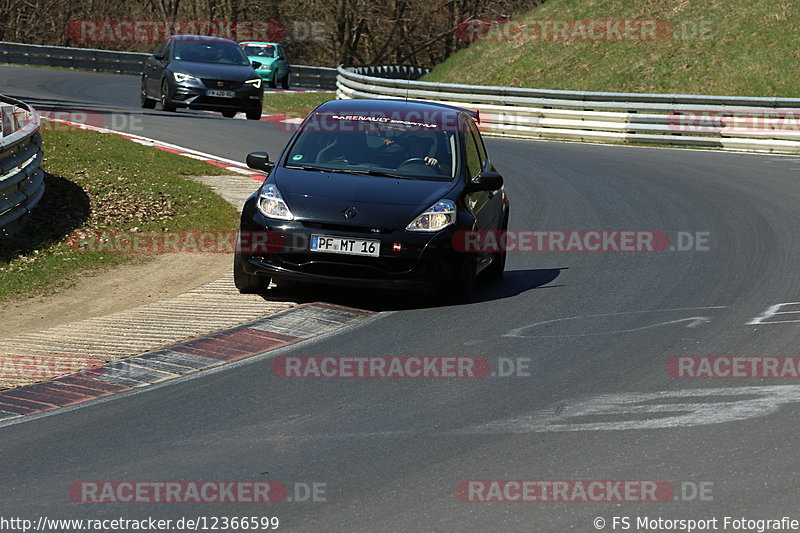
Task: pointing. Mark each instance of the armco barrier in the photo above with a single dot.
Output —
(130, 62)
(21, 176)
(728, 122)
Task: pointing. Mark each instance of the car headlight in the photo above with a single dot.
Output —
(255, 83)
(180, 77)
(271, 204)
(435, 218)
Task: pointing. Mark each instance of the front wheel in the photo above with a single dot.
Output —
(145, 101)
(285, 81)
(165, 105)
(247, 283)
(254, 115)
(273, 81)
(466, 278)
(498, 266)
(229, 114)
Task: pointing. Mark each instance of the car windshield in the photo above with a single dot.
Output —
(205, 52)
(405, 145)
(256, 50)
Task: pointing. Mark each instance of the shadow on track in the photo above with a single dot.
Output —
(513, 283)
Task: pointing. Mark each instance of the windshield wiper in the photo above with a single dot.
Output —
(309, 167)
(368, 172)
(380, 173)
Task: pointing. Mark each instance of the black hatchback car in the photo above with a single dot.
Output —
(373, 193)
(202, 72)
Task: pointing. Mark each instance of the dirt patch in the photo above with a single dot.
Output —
(123, 288)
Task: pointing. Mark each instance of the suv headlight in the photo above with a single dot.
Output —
(271, 204)
(180, 77)
(435, 218)
(255, 83)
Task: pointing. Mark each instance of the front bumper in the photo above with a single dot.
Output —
(193, 94)
(423, 260)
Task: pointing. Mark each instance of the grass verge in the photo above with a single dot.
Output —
(717, 48)
(294, 104)
(99, 182)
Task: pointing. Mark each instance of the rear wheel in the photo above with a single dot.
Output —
(145, 101)
(247, 283)
(229, 114)
(497, 267)
(165, 105)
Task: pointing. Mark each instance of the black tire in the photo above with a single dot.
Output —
(247, 283)
(145, 101)
(463, 286)
(254, 114)
(285, 81)
(498, 266)
(229, 114)
(273, 81)
(165, 105)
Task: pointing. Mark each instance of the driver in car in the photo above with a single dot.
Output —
(417, 147)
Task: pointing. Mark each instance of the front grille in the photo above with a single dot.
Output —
(226, 85)
(346, 228)
(347, 266)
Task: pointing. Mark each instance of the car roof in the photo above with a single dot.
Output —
(260, 43)
(201, 38)
(389, 105)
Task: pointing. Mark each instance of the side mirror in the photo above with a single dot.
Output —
(256, 65)
(485, 181)
(281, 58)
(160, 57)
(259, 161)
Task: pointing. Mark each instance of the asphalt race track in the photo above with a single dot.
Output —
(595, 329)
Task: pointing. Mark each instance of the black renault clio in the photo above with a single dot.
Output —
(201, 72)
(372, 193)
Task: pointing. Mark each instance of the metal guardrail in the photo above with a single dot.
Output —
(21, 176)
(130, 62)
(727, 122)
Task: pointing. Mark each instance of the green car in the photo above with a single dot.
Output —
(274, 67)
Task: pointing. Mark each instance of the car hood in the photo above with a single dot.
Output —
(380, 202)
(214, 71)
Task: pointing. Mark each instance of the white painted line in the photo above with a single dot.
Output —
(694, 322)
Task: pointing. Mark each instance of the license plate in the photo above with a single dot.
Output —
(220, 94)
(345, 245)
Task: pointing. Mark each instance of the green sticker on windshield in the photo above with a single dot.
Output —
(298, 157)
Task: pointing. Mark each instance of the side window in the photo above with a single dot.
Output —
(472, 156)
(479, 144)
(282, 53)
